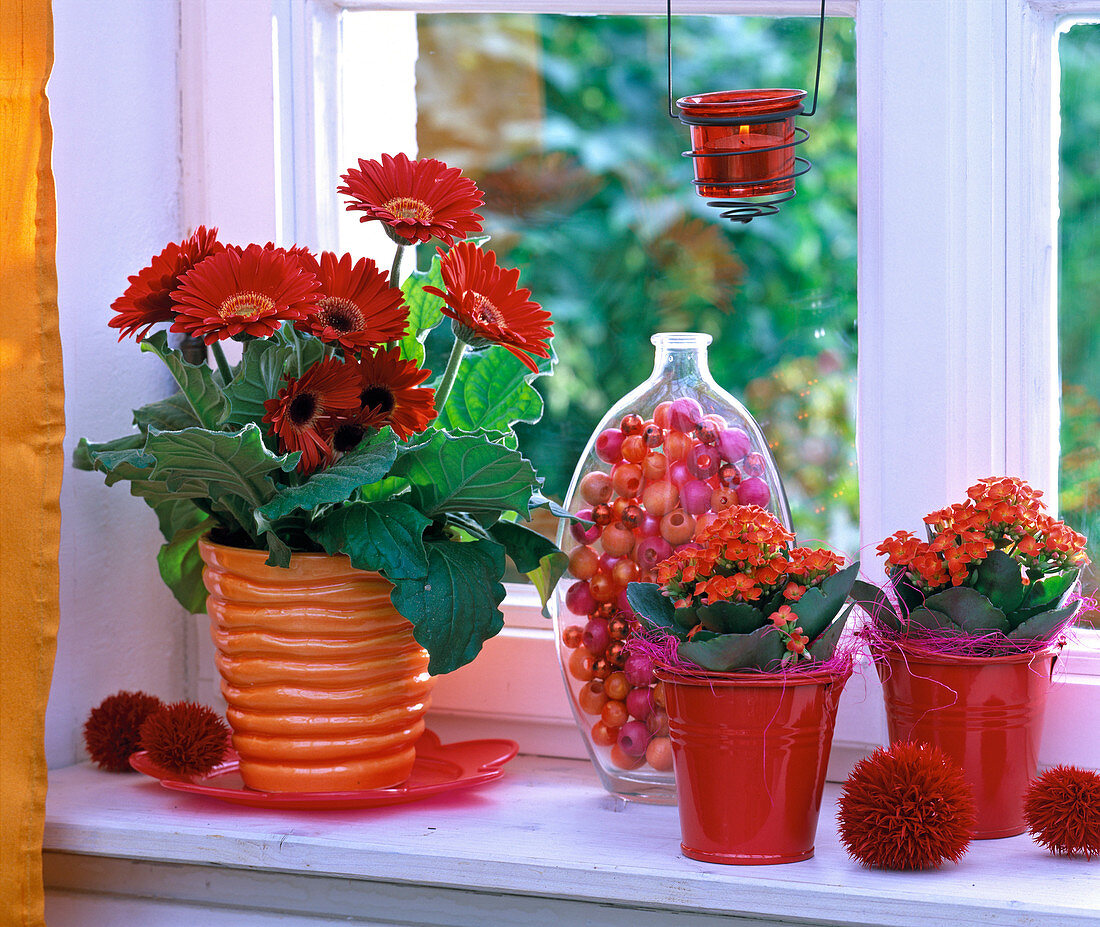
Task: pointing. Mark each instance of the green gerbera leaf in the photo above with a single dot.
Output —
(86, 455)
(196, 384)
(181, 566)
(383, 536)
(493, 394)
(367, 464)
(535, 556)
(455, 609)
(171, 414)
(424, 308)
(466, 474)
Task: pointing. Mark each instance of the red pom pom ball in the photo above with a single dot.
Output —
(113, 729)
(906, 807)
(1062, 809)
(185, 738)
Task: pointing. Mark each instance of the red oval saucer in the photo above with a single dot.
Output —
(438, 768)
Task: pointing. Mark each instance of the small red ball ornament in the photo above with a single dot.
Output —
(1062, 810)
(185, 738)
(113, 729)
(906, 807)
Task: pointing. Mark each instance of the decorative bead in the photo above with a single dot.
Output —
(639, 670)
(685, 414)
(655, 466)
(618, 627)
(657, 722)
(585, 534)
(602, 588)
(728, 475)
(639, 703)
(703, 461)
(613, 713)
(579, 600)
(658, 753)
(754, 465)
(596, 636)
(601, 514)
(626, 479)
(733, 444)
(659, 695)
(723, 498)
(631, 424)
(580, 664)
(624, 760)
(660, 498)
(616, 654)
(573, 636)
(618, 541)
(651, 551)
(604, 736)
(677, 444)
(584, 562)
(609, 445)
(602, 668)
(677, 527)
(633, 738)
(753, 491)
(624, 572)
(606, 611)
(634, 449)
(632, 516)
(623, 603)
(617, 687)
(650, 526)
(706, 432)
(596, 488)
(652, 434)
(695, 497)
(617, 508)
(662, 415)
(592, 697)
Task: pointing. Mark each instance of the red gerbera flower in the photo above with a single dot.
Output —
(389, 393)
(486, 307)
(358, 307)
(251, 292)
(310, 407)
(416, 200)
(148, 298)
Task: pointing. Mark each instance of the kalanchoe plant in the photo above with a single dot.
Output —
(995, 569)
(329, 434)
(741, 598)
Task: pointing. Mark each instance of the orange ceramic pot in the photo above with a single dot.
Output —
(986, 713)
(750, 753)
(326, 687)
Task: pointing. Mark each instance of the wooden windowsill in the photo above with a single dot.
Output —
(544, 845)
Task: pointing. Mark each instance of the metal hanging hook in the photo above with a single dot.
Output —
(817, 74)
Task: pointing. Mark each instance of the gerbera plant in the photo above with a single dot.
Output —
(741, 598)
(996, 572)
(330, 434)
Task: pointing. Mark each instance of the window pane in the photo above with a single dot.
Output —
(563, 121)
(1079, 292)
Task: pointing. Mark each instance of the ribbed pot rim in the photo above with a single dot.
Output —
(755, 680)
(262, 555)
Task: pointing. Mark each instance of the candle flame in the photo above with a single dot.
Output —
(744, 130)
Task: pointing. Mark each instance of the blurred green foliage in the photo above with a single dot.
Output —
(598, 210)
(1079, 287)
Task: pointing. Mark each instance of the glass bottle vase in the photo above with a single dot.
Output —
(663, 460)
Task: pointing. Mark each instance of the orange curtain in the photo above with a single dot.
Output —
(32, 412)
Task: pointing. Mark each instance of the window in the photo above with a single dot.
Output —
(957, 331)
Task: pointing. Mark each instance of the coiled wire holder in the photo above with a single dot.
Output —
(743, 208)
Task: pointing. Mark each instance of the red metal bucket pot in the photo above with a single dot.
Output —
(986, 713)
(750, 753)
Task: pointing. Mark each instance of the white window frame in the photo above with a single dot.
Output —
(958, 371)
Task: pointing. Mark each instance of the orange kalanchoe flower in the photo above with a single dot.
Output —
(416, 200)
(389, 393)
(358, 308)
(247, 293)
(309, 408)
(148, 299)
(487, 308)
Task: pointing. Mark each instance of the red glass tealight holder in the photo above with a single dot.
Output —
(743, 141)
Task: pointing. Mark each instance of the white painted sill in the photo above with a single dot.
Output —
(545, 845)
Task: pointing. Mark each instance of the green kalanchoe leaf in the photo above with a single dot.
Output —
(1044, 626)
(932, 621)
(655, 610)
(367, 464)
(875, 603)
(763, 649)
(823, 646)
(181, 566)
(726, 617)
(998, 578)
(383, 536)
(1047, 591)
(196, 384)
(535, 556)
(455, 609)
(466, 474)
(969, 609)
(819, 604)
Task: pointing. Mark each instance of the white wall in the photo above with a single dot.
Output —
(114, 100)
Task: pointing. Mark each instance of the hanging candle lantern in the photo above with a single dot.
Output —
(743, 141)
